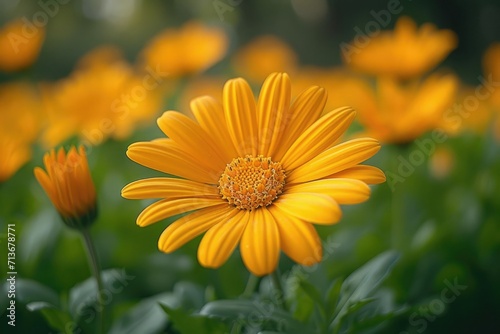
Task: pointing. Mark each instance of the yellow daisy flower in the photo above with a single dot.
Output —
(405, 52)
(188, 50)
(102, 98)
(20, 121)
(20, 44)
(258, 174)
(68, 183)
(264, 55)
(399, 113)
(14, 154)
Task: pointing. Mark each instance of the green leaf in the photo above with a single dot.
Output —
(84, 294)
(56, 318)
(311, 291)
(253, 313)
(45, 229)
(28, 291)
(363, 282)
(315, 296)
(192, 296)
(302, 305)
(194, 323)
(332, 296)
(146, 317)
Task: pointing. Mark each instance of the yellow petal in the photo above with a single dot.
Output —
(260, 243)
(162, 187)
(318, 137)
(335, 159)
(343, 191)
(210, 115)
(304, 111)
(191, 137)
(367, 174)
(272, 108)
(239, 110)
(192, 225)
(221, 240)
(298, 239)
(167, 208)
(310, 207)
(165, 156)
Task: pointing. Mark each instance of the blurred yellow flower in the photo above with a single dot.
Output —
(343, 88)
(253, 173)
(403, 112)
(14, 154)
(491, 69)
(200, 86)
(19, 125)
(262, 56)
(20, 44)
(475, 117)
(103, 97)
(441, 163)
(68, 183)
(405, 52)
(191, 49)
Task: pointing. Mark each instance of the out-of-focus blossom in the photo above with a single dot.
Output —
(470, 112)
(20, 44)
(191, 49)
(200, 86)
(19, 125)
(68, 183)
(441, 162)
(406, 111)
(491, 69)
(406, 52)
(103, 97)
(343, 88)
(262, 56)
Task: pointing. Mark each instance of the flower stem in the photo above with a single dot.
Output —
(398, 226)
(280, 296)
(96, 272)
(252, 284)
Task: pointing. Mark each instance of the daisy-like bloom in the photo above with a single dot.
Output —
(257, 174)
(262, 56)
(491, 69)
(343, 87)
(20, 44)
(102, 98)
(475, 118)
(68, 183)
(441, 163)
(199, 86)
(401, 113)
(406, 52)
(19, 125)
(14, 154)
(191, 49)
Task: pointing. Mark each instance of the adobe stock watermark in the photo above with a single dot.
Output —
(121, 107)
(454, 117)
(428, 314)
(223, 6)
(372, 28)
(88, 310)
(39, 19)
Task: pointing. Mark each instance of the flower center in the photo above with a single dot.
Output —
(252, 182)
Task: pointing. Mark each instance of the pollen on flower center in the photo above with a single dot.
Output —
(252, 182)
